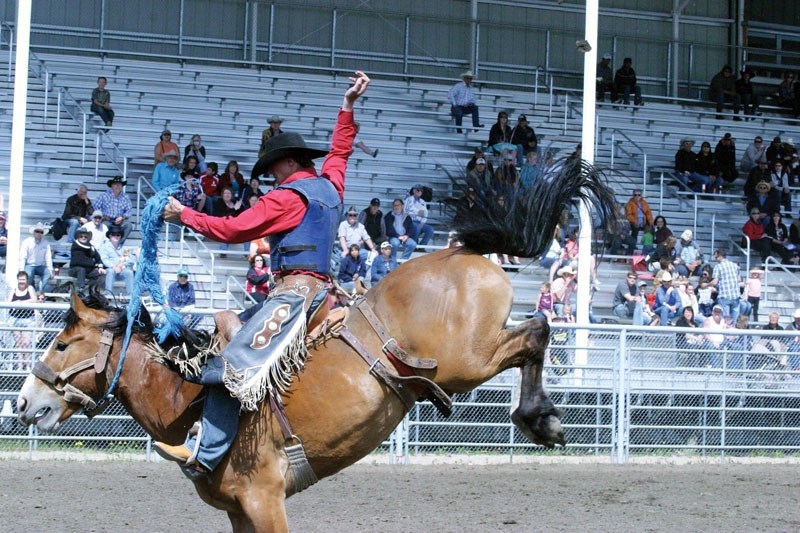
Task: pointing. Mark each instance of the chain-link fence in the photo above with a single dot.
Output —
(622, 392)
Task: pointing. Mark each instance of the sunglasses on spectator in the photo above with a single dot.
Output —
(636, 194)
(39, 231)
(115, 234)
(97, 218)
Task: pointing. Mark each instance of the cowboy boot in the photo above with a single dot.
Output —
(182, 453)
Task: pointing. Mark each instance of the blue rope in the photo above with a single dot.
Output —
(148, 279)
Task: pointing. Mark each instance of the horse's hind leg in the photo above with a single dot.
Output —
(535, 415)
(240, 523)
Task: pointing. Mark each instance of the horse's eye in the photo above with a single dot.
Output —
(61, 346)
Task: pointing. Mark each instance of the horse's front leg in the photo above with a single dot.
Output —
(535, 414)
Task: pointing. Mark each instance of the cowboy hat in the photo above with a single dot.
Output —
(284, 146)
(39, 227)
(275, 118)
(352, 210)
(566, 270)
(82, 231)
(687, 235)
(117, 179)
(114, 228)
(467, 74)
(666, 277)
(763, 186)
(171, 153)
(686, 140)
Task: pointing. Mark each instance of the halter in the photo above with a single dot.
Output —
(72, 394)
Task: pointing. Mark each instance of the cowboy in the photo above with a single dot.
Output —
(35, 257)
(462, 101)
(116, 205)
(300, 216)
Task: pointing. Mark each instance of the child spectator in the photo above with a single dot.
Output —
(209, 181)
(384, 263)
(351, 269)
(544, 303)
(85, 261)
(648, 240)
(753, 290)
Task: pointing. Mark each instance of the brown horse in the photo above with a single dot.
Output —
(451, 306)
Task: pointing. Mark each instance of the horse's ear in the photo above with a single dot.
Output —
(77, 304)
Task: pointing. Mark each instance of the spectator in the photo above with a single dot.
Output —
(416, 208)
(705, 165)
(181, 297)
(668, 304)
(661, 230)
(625, 83)
(352, 233)
(196, 149)
(253, 190)
(97, 228)
(543, 308)
(722, 90)
(116, 206)
(794, 232)
(786, 93)
(500, 136)
(605, 79)
(22, 320)
(752, 154)
(232, 179)
(726, 280)
(35, 257)
(77, 211)
(756, 175)
(648, 240)
(506, 178)
(482, 177)
(706, 293)
(524, 138)
(765, 199)
(725, 157)
(531, 171)
(191, 194)
(754, 230)
(794, 345)
(101, 102)
(551, 259)
(258, 279)
(747, 96)
(361, 145)
(372, 220)
(3, 236)
(228, 207)
(638, 213)
(714, 341)
(620, 240)
(779, 179)
(627, 301)
(400, 230)
(687, 342)
(209, 181)
(163, 146)
(753, 290)
(384, 263)
(166, 173)
(685, 166)
(85, 261)
(462, 101)
(779, 240)
(688, 258)
(562, 288)
(479, 154)
(775, 150)
(352, 269)
(689, 299)
(118, 261)
(190, 169)
(274, 129)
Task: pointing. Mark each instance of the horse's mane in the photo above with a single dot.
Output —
(526, 228)
(142, 327)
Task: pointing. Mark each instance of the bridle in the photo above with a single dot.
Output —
(72, 394)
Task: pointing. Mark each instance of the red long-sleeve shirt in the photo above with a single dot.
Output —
(280, 209)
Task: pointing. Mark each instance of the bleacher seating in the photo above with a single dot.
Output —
(408, 122)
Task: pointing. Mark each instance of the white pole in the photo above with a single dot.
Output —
(18, 139)
(587, 152)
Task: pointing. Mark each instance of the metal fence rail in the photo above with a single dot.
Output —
(628, 392)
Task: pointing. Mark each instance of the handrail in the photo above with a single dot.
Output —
(10, 29)
(778, 266)
(71, 107)
(614, 133)
(115, 151)
(238, 285)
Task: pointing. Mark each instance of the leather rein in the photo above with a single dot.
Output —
(60, 380)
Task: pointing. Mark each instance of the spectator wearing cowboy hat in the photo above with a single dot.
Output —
(163, 146)
(688, 257)
(119, 261)
(765, 198)
(562, 288)
(416, 208)
(274, 129)
(352, 232)
(85, 261)
(166, 173)
(36, 258)
(668, 303)
(462, 101)
(116, 206)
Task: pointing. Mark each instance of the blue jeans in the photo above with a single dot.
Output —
(72, 226)
(126, 275)
(410, 245)
(730, 307)
(623, 310)
(665, 314)
(694, 180)
(626, 94)
(43, 273)
(424, 233)
(458, 112)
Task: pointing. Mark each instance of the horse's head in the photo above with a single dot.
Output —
(73, 373)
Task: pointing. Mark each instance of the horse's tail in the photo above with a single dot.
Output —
(525, 228)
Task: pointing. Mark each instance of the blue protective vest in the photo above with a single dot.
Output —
(308, 246)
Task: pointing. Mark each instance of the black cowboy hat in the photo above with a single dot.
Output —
(117, 179)
(282, 146)
(114, 228)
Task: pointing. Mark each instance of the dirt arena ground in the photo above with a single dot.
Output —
(67, 496)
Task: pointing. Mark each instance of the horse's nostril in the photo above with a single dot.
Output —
(21, 404)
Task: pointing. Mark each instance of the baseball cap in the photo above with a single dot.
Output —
(522, 117)
(183, 271)
(97, 213)
(480, 161)
(352, 210)
(755, 211)
(607, 55)
(641, 284)
(386, 244)
(375, 201)
(716, 308)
